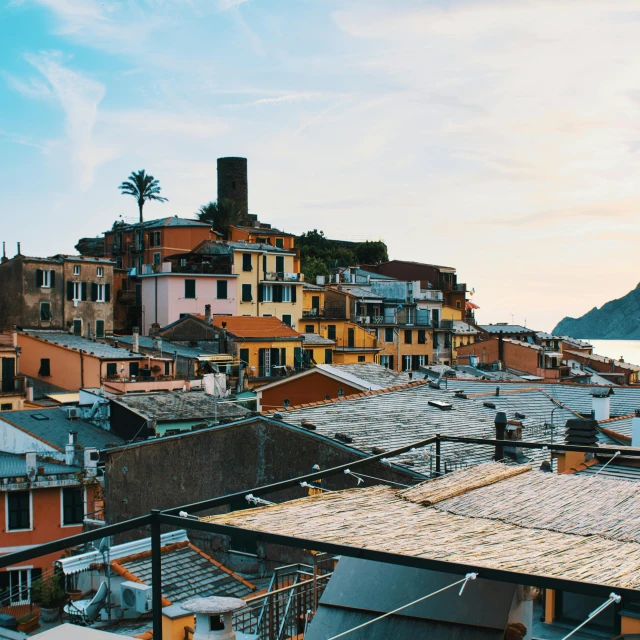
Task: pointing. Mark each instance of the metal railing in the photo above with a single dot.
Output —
(13, 386)
(281, 276)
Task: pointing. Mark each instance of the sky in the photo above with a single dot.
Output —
(498, 137)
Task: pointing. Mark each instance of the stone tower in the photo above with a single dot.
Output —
(232, 181)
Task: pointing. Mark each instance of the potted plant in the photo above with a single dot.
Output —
(50, 595)
(28, 622)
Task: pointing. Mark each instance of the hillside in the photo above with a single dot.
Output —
(616, 320)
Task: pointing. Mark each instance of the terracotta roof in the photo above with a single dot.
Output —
(253, 327)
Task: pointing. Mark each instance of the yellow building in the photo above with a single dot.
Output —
(462, 335)
(12, 386)
(266, 347)
(268, 283)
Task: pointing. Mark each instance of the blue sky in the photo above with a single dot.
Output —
(498, 137)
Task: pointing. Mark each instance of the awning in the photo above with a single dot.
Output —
(470, 305)
(216, 357)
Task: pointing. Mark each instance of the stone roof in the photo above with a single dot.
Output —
(505, 328)
(89, 347)
(313, 339)
(255, 327)
(267, 248)
(172, 221)
(187, 572)
(595, 358)
(168, 348)
(386, 419)
(52, 426)
(179, 405)
(367, 374)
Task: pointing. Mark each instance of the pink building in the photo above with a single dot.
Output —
(167, 296)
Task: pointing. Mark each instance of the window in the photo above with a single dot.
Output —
(244, 357)
(156, 259)
(263, 241)
(408, 336)
(99, 328)
(309, 328)
(279, 264)
(112, 369)
(99, 292)
(77, 327)
(134, 369)
(328, 356)
(154, 239)
(76, 291)
(361, 358)
(267, 293)
(45, 279)
(183, 262)
(422, 336)
(45, 311)
(388, 334)
(45, 367)
(100, 272)
(189, 288)
(6, 406)
(221, 292)
(286, 293)
(331, 332)
(76, 269)
(246, 293)
(286, 319)
(18, 510)
(72, 506)
(384, 362)
(406, 363)
(458, 305)
(246, 262)
(140, 263)
(280, 243)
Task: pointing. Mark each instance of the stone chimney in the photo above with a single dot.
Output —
(207, 313)
(70, 448)
(32, 464)
(600, 403)
(580, 432)
(214, 617)
(635, 430)
(4, 252)
(136, 340)
(501, 427)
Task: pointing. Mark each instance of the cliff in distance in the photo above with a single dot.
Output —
(615, 320)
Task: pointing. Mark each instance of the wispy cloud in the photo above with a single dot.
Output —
(285, 98)
(79, 97)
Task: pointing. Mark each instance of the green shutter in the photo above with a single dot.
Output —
(298, 360)
(39, 278)
(244, 357)
(69, 290)
(293, 293)
(328, 356)
(94, 292)
(107, 293)
(83, 291)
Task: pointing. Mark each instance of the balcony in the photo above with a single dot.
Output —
(273, 276)
(407, 317)
(325, 314)
(116, 248)
(13, 386)
(429, 294)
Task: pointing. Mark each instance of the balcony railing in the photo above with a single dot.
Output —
(410, 317)
(280, 276)
(428, 294)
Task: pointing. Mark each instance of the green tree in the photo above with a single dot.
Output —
(371, 252)
(142, 187)
(220, 215)
(312, 267)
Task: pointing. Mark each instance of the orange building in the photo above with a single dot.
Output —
(49, 478)
(72, 362)
(12, 386)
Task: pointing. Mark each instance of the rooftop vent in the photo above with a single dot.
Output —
(444, 406)
(343, 437)
(582, 432)
(309, 425)
(378, 450)
(520, 416)
(489, 405)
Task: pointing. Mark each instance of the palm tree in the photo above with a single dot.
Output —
(142, 187)
(221, 214)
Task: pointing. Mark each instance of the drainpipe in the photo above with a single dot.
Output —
(501, 426)
(398, 363)
(81, 369)
(156, 300)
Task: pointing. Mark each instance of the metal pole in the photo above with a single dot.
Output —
(156, 574)
(438, 455)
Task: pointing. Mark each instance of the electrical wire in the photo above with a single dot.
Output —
(463, 582)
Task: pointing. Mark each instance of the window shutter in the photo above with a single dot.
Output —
(293, 293)
(277, 293)
(283, 357)
(261, 362)
(107, 293)
(280, 264)
(328, 356)
(83, 287)
(52, 280)
(264, 264)
(260, 293)
(39, 279)
(69, 290)
(94, 292)
(297, 358)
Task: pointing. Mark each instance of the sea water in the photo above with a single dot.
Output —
(629, 350)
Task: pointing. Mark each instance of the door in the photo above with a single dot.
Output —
(134, 369)
(77, 327)
(8, 374)
(351, 338)
(315, 304)
(20, 585)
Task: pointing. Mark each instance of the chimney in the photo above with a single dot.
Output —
(136, 340)
(580, 432)
(501, 426)
(500, 347)
(214, 617)
(600, 403)
(70, 448)
(18, 253)
(29, 397)
(32, 464)
(4, 252)
(207, 313)
(635, 430)
(91, 457)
